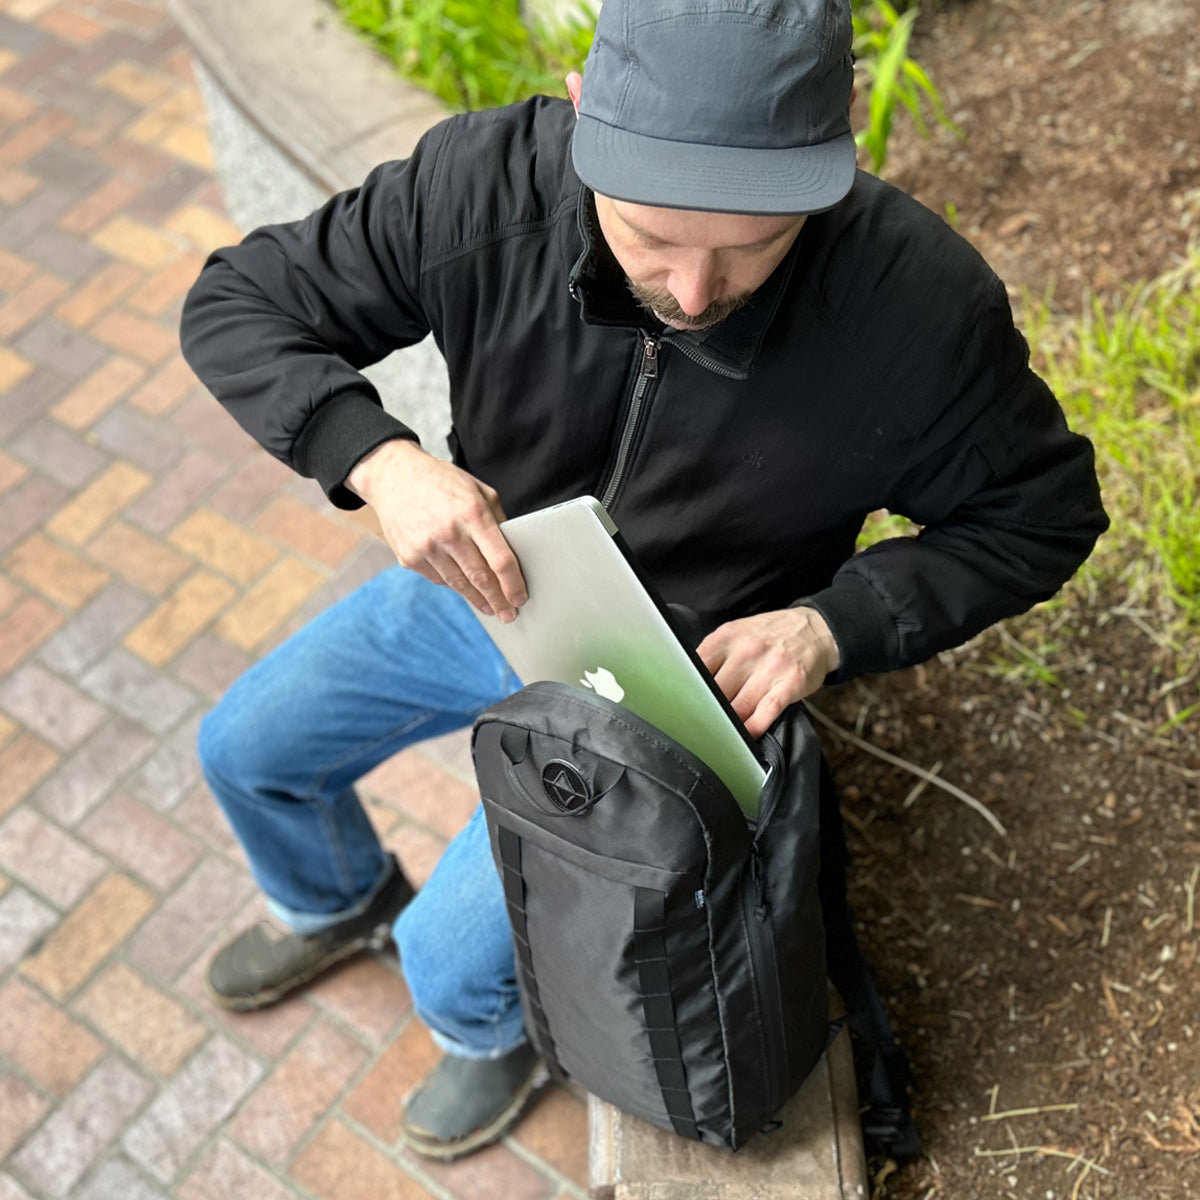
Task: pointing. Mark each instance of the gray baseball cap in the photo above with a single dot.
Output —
(719, 105)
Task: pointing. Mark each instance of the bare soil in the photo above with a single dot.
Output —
(1049, 973)
(1081, 162)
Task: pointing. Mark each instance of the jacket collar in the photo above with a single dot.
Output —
(597, 282)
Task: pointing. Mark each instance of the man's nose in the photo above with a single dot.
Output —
(695, 286)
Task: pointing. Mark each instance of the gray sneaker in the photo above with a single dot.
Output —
(468, 1103)
(263, 964)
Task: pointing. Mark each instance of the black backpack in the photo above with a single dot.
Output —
(671, 957)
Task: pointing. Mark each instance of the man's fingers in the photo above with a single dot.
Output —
(731, 679)
(713, 650)
(442, 523)
(766, 710)
(449, 571)
(760, 690)
(746, 699)
(767, 662)
(472, 572)
(503, 567)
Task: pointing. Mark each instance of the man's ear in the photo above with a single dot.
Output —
(574, 87)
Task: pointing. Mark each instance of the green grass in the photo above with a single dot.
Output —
(893, 79)
(1127, 373)
(472, 53)
(1128, 376)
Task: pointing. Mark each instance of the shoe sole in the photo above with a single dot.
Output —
(507, 1118)
(265, 997)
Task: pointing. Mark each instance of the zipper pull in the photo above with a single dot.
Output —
(762, 910)
(650, 358)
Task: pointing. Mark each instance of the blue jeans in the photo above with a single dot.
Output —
(398, 660)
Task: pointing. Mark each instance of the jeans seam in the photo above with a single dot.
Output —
(311, 795)
(333, 844)
(317, 781)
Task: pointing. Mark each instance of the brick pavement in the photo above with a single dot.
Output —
(148, 553)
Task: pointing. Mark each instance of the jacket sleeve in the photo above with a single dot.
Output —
(279, 326)
(1009, 503)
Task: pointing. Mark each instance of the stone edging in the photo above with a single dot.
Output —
(335, 121)
(300, 109)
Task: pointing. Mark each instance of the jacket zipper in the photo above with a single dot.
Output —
(703, 360)
(647, 372)
(766, 971)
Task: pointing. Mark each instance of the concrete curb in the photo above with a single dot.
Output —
(286, 136)
(335, 123)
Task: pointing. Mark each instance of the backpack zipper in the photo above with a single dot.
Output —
(766, 972)
(647, 372)
(763, 961)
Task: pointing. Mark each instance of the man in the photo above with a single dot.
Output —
(680, 298)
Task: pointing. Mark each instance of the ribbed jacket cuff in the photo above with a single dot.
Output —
(343, 430)
(861, 625)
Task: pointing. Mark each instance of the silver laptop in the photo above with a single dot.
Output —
(591, 620)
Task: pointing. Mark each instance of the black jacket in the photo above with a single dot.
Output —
(878, 367)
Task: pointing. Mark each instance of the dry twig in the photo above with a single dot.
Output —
(1111, 1002)
(1185, 1122)
(920, 786)
(1044, 1152)
(1175, 768)
(1087, 1166)
(920, 772)
(1029, 1112)
(1161, 641)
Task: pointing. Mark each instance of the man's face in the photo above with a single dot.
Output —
(692, 269)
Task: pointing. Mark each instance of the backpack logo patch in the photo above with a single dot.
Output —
(566, 788)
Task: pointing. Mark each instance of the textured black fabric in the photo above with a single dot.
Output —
(658, 969)
(514, 893)
(877, 368)
(654, 979)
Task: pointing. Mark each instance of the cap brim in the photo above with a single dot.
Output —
(645, 170)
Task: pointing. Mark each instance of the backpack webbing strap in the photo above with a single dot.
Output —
(514, 894)
(658, 1006)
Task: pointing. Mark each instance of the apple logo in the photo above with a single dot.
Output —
(604, 683)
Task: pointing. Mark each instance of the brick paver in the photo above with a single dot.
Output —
(23, 763)
(149, 552)
(88, 934)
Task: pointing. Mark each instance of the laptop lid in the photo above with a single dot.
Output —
(592, 619)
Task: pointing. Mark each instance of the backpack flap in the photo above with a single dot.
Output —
(552, 753)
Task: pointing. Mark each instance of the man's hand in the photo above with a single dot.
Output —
(442, 523)
(767, 662)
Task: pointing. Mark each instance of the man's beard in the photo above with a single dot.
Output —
(659, 303)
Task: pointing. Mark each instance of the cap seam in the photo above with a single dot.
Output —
(635, 65)
(739, 17)
(674, 141)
